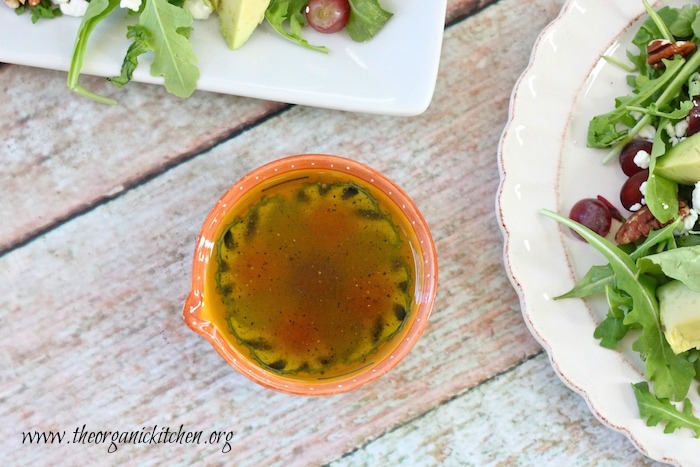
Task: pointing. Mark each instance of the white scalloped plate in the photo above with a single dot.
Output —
(545, 163)
(393, 74)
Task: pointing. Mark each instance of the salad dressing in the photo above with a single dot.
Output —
(315, 275)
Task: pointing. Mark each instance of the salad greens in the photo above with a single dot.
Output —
(366, 19)
(657, 411)
(166, 31)
(660, 98)
(139, 46)
(96, 12)
(164, 28)
(45, 9)
(682, 264)
(670, 373)
(657, 91)
(287, 18)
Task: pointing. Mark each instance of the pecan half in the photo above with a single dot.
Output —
(661, 49)
(639, 224)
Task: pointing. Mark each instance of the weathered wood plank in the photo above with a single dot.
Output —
(460, 8)
(62, 153)
(80, 152)
(93, 333)
(523, 417)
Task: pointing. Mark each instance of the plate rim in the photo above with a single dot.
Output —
(505, 220)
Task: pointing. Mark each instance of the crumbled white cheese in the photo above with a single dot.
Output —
(692, 217)
(681, 128)
(199, 9)
(74, 8)
(643, 191)
(695, 199)
(642, 159)
(676, 133)
(635, 207)
(690, 220)
(648, 132)
(670, 130)
(130, 4)
(635, 114)
(58, 2)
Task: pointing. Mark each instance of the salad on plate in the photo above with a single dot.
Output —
(651, 283)
(163, 27)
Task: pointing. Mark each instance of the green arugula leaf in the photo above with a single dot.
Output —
(598, 277)
(44, 9)
(659, 22)
(694, 83)
(659, 239)
(683, 25)
(694, 358)
(97, 11)
(613, 328)
(367, 18)
(287, 14)
(675, 114)
(688, 240)
(602, 131)
(682, 70)
(601, 279)
(695, 26)
(662, 197)
(661, 194)
(682, 264)
(674, 88)
(660, 410)
(671, 373)
(640, 65)
(594, 281)
(649, 30)
(168, 28)
(618, 63)
(139, 46)
(611, 331)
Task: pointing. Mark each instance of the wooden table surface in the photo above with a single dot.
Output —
(100, 209)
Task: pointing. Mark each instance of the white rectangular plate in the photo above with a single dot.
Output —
(392, 74)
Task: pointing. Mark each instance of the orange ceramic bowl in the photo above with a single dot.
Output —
(202, 311)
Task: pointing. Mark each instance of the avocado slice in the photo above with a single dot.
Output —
(681, 163)
(680, 315)
(239, 18)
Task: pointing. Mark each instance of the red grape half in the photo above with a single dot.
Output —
(327, 16)
(592, 213)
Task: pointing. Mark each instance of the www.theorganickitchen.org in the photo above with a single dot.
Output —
(115, 439)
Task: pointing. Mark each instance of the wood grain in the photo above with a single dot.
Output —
(91, 323)
(95, 334)
(523, 417)
(82, 153)
(63, 153)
